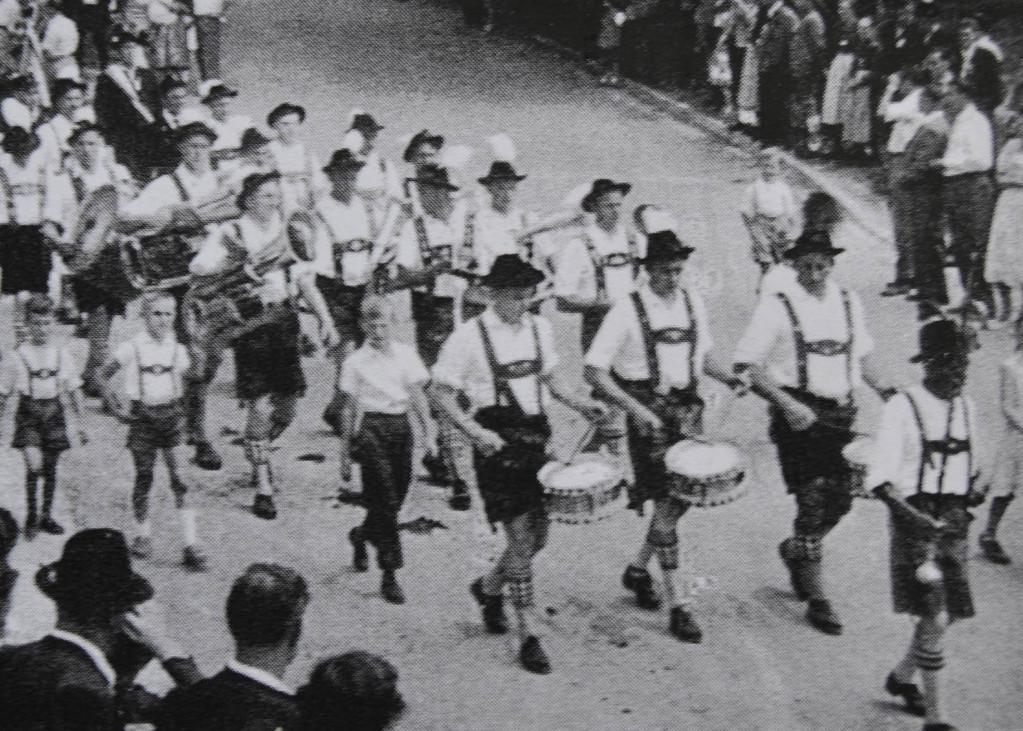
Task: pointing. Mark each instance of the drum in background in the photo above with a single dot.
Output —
(857, 456)
(706, 474)
(584, 491)
(158, 261)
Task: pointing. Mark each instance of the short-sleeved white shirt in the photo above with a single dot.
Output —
(381, 381)
(215, 253)
(575, 269)
(144, 352)
(440, 234)
(341, 223)
(164, 191)
(495, 234)
(54, 368)
(770, 198)
(463, 364)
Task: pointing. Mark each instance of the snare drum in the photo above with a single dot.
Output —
(857, 456)
(158, 261)
(705, 474)
(585, 491)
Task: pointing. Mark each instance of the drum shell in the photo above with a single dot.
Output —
(160, 261)
(587, 504)
(109, 274)
(856, 474)
(708, 491)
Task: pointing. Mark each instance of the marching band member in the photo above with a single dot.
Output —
(805, 350)
(268, 366)
(646, 359)
(31, 209)
(422, 149)
(502, 364)
(344, 260)
(301, 179)
(43, 377)
(172, 117)
(154, 364)
(378, 179)
(68, 97)
(215, 96)
(925, 468)
(254, 156)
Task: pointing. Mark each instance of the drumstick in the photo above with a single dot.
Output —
(578, 446)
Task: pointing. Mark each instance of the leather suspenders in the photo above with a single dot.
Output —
(804, 347)
(946, 447)
(667, 335)
(503, 373)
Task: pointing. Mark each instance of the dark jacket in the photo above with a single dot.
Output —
(132, 136)
(228, 701)
(982, 81)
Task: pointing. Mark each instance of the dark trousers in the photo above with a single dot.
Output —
(207, 29)
(969, 203)
(899, 201)
(923, 230)
(94, 27)
(736, 58)
(775, 111)
(435, 321)
(384, 450)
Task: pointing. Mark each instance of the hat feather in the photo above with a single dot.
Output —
(574, 198)
(503, 147)
(354, 141)
(455, 157)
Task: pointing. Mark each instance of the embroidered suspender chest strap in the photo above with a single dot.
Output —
(804, 347)
(180, 185)
(156, 369)
(38, 374)
(467, 256)
(502, 374)
(668, 335)
(946, 447)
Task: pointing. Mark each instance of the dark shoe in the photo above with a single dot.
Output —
(639, 582)
(939, 727)
(31, 527)
(390, 589)
(533, 658)
(437, 470)
(494, 618)
(142, 547)
(264, 507)
(49, 525)
(910, 694)
(993, 550)
(206, 457)
(684, 627)
(823, 617)
(360, 557)
(332, 419)
(194, 559)
(794, 580)
(460, 499)
(895, 289)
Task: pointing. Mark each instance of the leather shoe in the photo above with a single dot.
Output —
(794, 580)
(684, 627)
(49, 525)
(492, 605)
(909, 692)
(194, 559)
(360, 557)
(390, 589)
(206, 457)
(264, 507)
(533, 658)
(989, 546)
(639, 582)
(823, 617)
(437, 470)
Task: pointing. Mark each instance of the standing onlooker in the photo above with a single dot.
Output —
(738, 34)
(860, 99)
(208, 15)
(770, 212)
(93, 20)
(809, 62)
(356, 690)
(980, 74)
(1004, 267)
(774, 54)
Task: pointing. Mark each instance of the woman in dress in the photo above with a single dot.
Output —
(1004, 266)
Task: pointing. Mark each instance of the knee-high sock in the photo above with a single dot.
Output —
(999, 505)
(32, 494)
(188, 526)
(49, 482)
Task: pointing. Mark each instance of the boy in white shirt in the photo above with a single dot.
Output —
(769, 212)
(380, 383)
(154, 363)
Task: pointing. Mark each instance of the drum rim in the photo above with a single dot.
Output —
(740, 465)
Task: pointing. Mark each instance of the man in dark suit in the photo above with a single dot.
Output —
(264, 614)
(776, 83)
(980, 74)
(79, 677)
(126, 109)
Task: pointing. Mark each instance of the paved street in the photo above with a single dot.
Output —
(760, 666)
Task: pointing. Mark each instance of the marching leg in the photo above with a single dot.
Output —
(525, 534)
(989, 544)
(46, 522)
(257, 452)
(98, 324)
(32, 474)
(193, 557)
(145, 460)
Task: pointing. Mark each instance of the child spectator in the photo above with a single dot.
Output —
(769, 211)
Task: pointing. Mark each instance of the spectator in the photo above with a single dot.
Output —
(264, 615)
(356, 691)
(774, 55)
(93, 20)
(980, 74)
(738, 33)
(59, 42)
(1004, 266)
(809, 51)
(68, 97)
(860, 97)
(208, 16)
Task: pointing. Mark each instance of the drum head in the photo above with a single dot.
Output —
(700, 459)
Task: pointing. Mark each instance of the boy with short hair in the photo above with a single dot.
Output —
(154, 363)
(46, 380)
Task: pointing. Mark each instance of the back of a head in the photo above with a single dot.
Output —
(357, 691)
(821, 212)
(265, 605)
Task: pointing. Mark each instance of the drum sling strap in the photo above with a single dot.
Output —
(600, 262)
(671, 336)
(804, 347)
(502, 374)
(157, 369)
(946, 447)
(180, 185)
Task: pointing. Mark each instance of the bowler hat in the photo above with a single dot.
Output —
(251, 139)
(511, 272)
(194, 129)
(95, 571)
(600, 187)
(252, 183)
(664, 246)
(365, 123)
(343, 159)
(420, 138)
(434, 175)
(19, 141)
(283, 110)
(813, 242)
(942, 338)
(501, 171)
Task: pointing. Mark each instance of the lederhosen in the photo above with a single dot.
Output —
(267, 359)
(344, 302)
(434, 316)
(508, 480)
(40, 422)
(815, 452)
(25, 258)
(909, 549)
(591, 321)
(156, 426)
(89, 296)
(681, 409)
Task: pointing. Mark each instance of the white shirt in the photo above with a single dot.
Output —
(340, 224)
(229, 132)
(907, 119)
(164, 191)
(215, 254)
(95, 654)
(144, 352)
(260, 676)
(17, 114)
(208, 7)
(379, 381)
(769, 341)
(463, 364)
(61, 37)
(770, 198)
(971, 144)
(54, 134)
(779, 278)
(31, 192)
(898, 449)
(62, 375)
(302, 181)
(575, 270)
(445, 236)
(378, 180)
(495, 234)
(619, 345)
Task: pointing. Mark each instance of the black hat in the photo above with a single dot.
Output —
(194, 129)
(501, 170)
(942, 337)
(343, 159)
(813, 242)
(170, 83)
(511, 272)
(63, 86)
(365, 123)
(19, 141)
(283, 110)
(420, 138)
(120, 35)
(19, 82)
(434, 175)
(600, 187)
(252, 183)
(81, 128)
(251, 139)
(215, 89)
(662, 246)
(95, 571)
